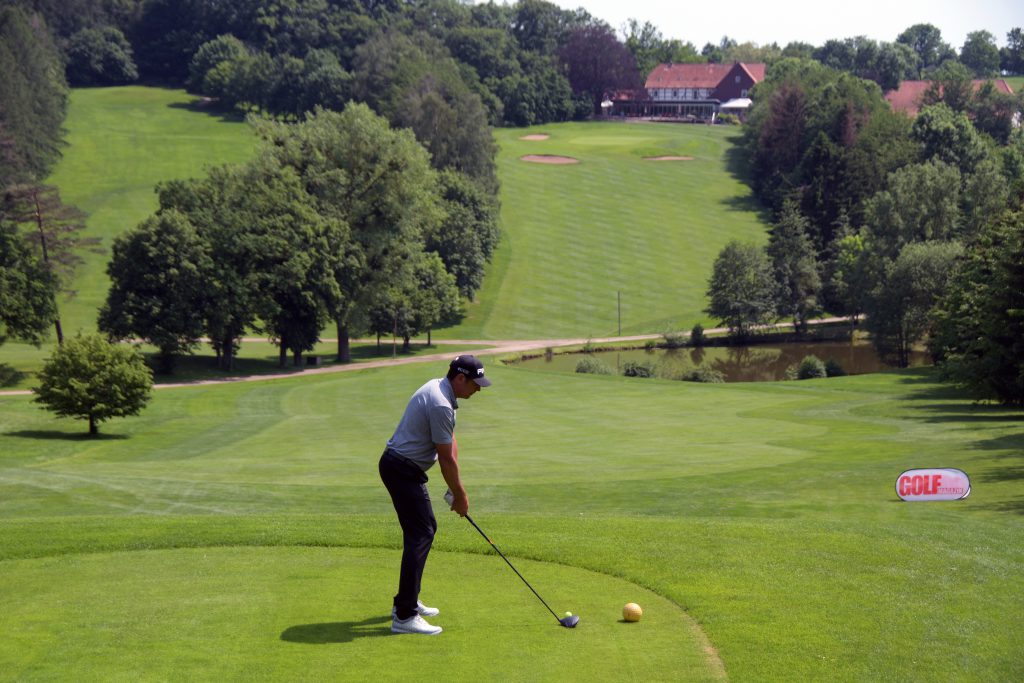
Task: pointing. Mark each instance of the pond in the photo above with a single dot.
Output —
(755, 363)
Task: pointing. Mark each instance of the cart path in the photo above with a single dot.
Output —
(490, 347)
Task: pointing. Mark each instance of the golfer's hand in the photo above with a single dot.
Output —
(460, 504)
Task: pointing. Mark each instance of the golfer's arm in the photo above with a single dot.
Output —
(448, 459)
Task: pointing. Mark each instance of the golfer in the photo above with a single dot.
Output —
(425, 435)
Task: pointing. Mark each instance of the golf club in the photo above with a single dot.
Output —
(568, 622)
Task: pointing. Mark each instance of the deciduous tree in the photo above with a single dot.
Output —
(160, 274)
(28, 290)
(741, 291)
(88, 378)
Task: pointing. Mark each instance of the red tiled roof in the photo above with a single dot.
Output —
(907, 98)
(697, 75)
(687, 75)
(756, 71)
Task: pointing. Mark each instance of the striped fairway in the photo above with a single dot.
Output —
(575, 236)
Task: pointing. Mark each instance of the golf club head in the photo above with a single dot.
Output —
(569, 622)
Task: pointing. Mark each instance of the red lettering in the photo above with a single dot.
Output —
(904, 486)
(936, 483)
(917, 487)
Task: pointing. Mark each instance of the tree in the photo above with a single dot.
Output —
(28, 290)
(947, 136)
(979, 340)
(422, 296)
(374, 179)
(88, 378)
(33, 98)
(741, 289)
(211, 54)
(1011, 57)
(54, 230)
(950, 85)
(416, 84)
(899, 307)
(794, 267)
(159, 286)
(980, 54)
(926, 41)
(921, 204)
(598, 64)
(650, 49)
(100, 56)
(468, 234)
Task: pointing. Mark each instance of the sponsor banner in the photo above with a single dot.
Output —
(933, 484)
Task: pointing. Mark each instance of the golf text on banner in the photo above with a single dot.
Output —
(933, 484)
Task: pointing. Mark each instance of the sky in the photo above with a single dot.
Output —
(782, 21)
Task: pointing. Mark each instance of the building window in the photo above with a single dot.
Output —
(743, 93)
(737, 78)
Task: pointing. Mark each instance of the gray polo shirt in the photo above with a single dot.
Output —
(429, 419)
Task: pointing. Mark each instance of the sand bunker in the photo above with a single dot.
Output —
(548, 159)
(668, 158)
(537, 136)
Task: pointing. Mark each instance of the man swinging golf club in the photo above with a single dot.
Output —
(425, 435)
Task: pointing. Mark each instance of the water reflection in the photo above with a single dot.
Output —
(757, 363)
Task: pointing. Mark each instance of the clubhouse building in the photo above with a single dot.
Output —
(690, 92)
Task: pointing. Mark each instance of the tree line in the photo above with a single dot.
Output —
(905, 220)
(339, 219)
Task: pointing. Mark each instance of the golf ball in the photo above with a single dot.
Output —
(568, 614)
(632, 612)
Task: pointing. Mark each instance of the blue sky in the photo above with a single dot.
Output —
(782, 21)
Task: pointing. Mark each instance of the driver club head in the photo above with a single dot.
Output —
(569, 622)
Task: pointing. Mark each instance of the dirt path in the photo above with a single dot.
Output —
(489, 348)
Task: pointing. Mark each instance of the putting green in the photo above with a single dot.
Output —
(322, 613)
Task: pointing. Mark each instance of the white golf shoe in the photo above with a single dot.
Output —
(414, 624)
(421, 609)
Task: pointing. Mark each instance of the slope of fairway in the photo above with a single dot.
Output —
(121, 142)
(576, 236)
(766, 511)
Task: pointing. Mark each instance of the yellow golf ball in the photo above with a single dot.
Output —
(568, 614)
(632, 612)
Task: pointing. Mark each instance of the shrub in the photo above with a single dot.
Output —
(833, 368)
(592, 366)
(634, 369)
(705, 374)
(697, 337)
(810, 367)
(674, 340)
(650, 344)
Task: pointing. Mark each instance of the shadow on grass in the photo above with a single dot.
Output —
(50, 435)
(200, 105)
(337, 632)
(10, 376)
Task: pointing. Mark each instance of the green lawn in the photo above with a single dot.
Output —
(1015, 82)
(240, 531)
(575, 236)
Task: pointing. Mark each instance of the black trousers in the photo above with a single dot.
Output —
(407, 484)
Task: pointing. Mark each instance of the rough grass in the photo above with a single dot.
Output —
(766, 511)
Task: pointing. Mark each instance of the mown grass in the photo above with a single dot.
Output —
(576, 236)
(767, 511)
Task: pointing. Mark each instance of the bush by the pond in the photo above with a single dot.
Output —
(592, 366)
(834, 369)
(811, 367)
(697, 337)
(674, 340)
(705, 374)
(633, 369)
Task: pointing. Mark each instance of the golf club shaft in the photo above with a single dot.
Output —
(513, 568)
